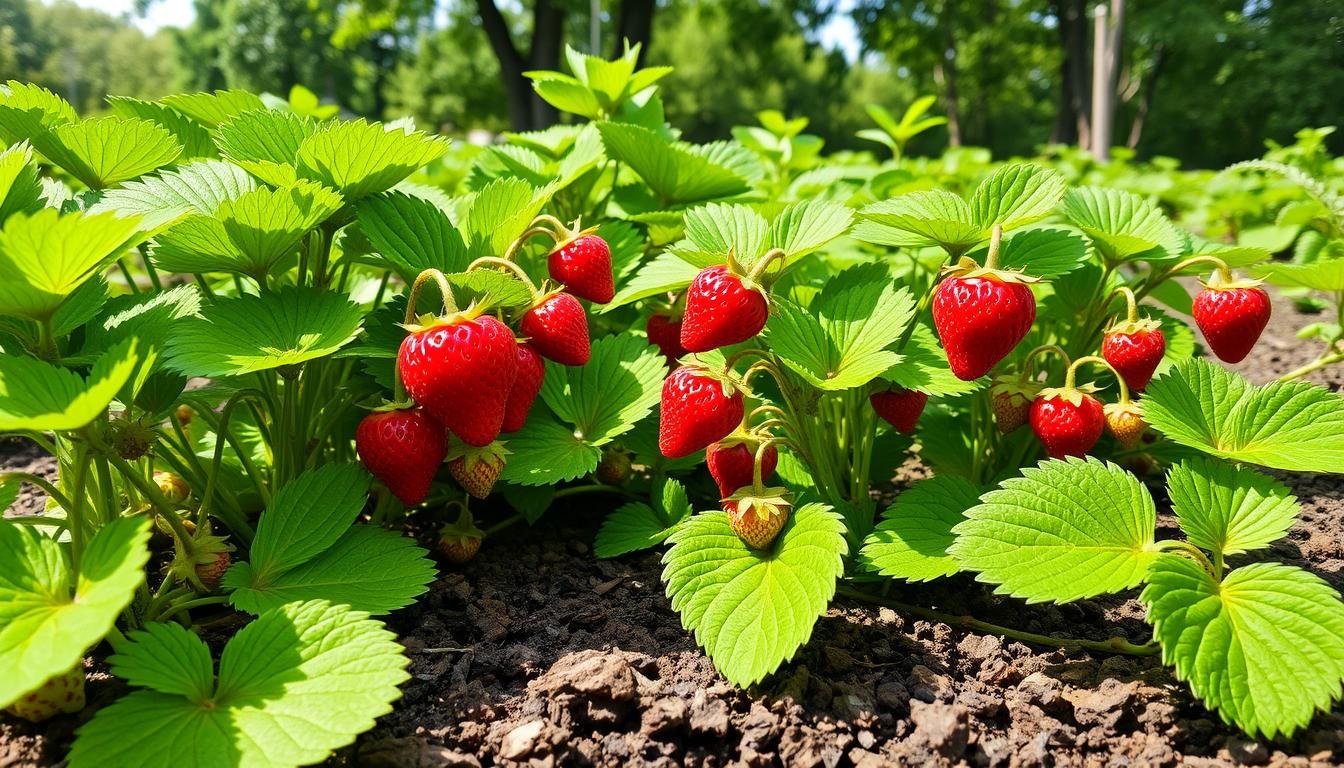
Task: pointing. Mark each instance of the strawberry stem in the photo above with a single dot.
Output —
(757, 482)
(517, 244)
(1073, 371)
(508, 266)
(771, 256)
(757, 367)
(995, 237)
(1131, 303)
(445, 291)
(555, 226)
(1030, 364)
(1223, 270)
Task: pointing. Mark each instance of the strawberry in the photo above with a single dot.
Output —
(899, 407)
(460, 369)
(614, 468)
(722, 308)
(1010, 399)
(665, 333)
(403, 448)
(131, 438)
(1125, 423)
(698, 408)
(476, 469)
(1067, 420)
(205, 565)
(63, 693)
(526, 384)
(557, 327)
(210, 572)
(172, 486)
(459, 541)
(1134, 348)
(981, 313)
(1231, 314)
(583, 266)
(732, 462)
(757, 515)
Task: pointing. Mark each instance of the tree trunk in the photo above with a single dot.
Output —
(945, 74)
(635, 24)
(548, 31)
(1146, 97)
(1071, 125)
(517, 89)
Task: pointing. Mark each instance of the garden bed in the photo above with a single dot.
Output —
(538, 653)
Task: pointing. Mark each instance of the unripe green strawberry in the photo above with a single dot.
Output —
(207, 562)
(476, 469)
(63, 693)
(757, 515)
(1010, 399)
(131, 438)
(614, 468)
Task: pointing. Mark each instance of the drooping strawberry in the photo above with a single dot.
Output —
(402, 447)
(1010, 398)
(210, 573)
(460, 369)
(460, 540)
(1135, 348)
(1067, 420)
(732, 462)
(1231, 313)
(757, 515)
(981, 313)
(63, 693)
(476, 469)
(583, 266)
(203, 561)
(1125, 422)
(526, 384)
(698, 408)
(722, 308)
(665, 333)
(172, 486)
(557, 327)
(899, 407)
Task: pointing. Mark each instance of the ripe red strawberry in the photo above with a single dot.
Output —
(721, 309)
(583, 266)
(557, 327)
(476, 469)
(461, 370)
(757, 515)
(899, 407)
(526, 384)
(981, 314)
(1231, 314)
(1135, 349)
(403, 448)
(63, 693)
(665, 333)
(1010, 398)
(698, 408)
(732, 462)
(1126, 424)
(1067, 420)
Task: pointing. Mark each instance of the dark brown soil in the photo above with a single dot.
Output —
(538, 654)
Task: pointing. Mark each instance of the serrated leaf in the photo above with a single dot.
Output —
(911, 541)
(546, 452)
(267, 137)
(40, 397)
(632, 527)
(211, 109)
(665, 273)
(148, 317)
(358, 158)
(842, 342)
(46, 256)
(567, 95)
(1285, 425)
(20, 185)
(620, 385)
(107, 150)
(715, 230)
(923, 367)
(1122, 225)
(1044, 252)
(294, 685)
(1321, 275)
(752, 610)
(166, 197)
(246, 334)
(266, 224)
(412, 234)
(673, 171)
(26, 108)
(806, 227)
(1016, 195)
(489, 288)
(167, 658)
(1063, 531)
(932, 217)
(191, 135)
(1229, 509)
(501, 212)
(48, 618)
(1265, 648)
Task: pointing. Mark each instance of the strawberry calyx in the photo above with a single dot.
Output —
(472, 456)
(1130, 327)
(204, 550)
(1015, 385)
(569, 234)
(764, 503)
(1225, 280)
(1069, 393)
(392, 406)
(429, 320)
(731, 382)
(463, 530)
(967, 268)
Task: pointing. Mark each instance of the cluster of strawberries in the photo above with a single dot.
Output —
(470, 380)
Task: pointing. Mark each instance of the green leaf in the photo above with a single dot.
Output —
(211, 109)
(842, 342)
(412, 234)
(167, 658)
(488, 288)
(1174, 295)
(1122, 225)
(40, 397)
(1321, 275)
(923, 367)
(266, 142)
(191, 135)
(667, 272)
(26, 108)
(166, 197)
(46, 621)
(359, 159)
(1229, 509)
(46, 256)
(501, 212)
(246, 334)
(266, 224)
(911, 541)
(918, 219)
(296, 684)
(676, 173)
(1016, 195)
(632, 527)
(620, 385)
(752, 610)
(546, 452)
(806, 227)
(1063, 531)
(1294, 426)
(1044, 252)
(566, 94)
(108, 150)
(716, 229)
(307, 548)
(20, 186)
(1265, 647)
(150, 318)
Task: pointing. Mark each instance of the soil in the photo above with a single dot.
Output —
(538, 654)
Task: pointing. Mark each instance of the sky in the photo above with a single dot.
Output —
(839, 32)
